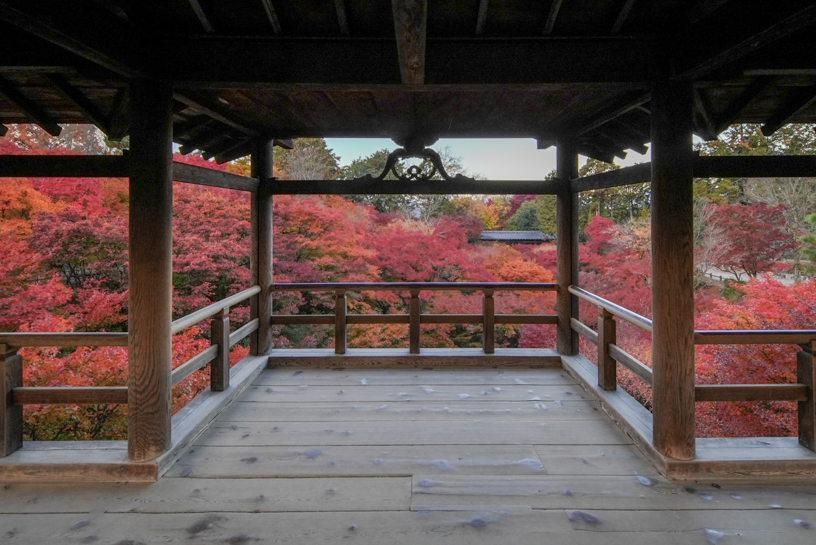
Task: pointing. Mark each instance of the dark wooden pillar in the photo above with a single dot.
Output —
(11, 415)
(672, 270)
(261, 241)
(806, 374)
(150, 276)
(566, 240)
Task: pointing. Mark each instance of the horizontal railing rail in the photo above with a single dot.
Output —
(341, 319)
(610, 354)
(62, 340)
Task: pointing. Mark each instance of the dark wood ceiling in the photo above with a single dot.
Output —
(404, 69)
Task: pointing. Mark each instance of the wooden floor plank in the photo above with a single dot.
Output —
(225, 462)
(327, 411)
(437, 432)
(307, 393)
(195, 495)
(452, 527)
(634, 492)
(418, 377)
(594, 460)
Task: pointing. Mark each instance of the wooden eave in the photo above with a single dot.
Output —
(308, 68)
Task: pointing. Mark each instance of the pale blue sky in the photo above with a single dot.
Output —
(495, 159)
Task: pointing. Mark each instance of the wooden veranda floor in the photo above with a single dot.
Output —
(386, 457)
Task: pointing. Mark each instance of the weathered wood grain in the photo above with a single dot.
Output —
(566, 238)
(417, 377)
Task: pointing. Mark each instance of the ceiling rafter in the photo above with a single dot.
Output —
(42, 118)
(552, 15)
(82, 103)
(411, 25)
(609, 113)
(748, 44)
(622, 15)
(704, 8)
(184, 128)
(219, 113)
(621, 137)
(272, 16)
(481, 18)
(201, 16)
(704, 125)
(119, 115)
(739, 104)
(202, 142)
(342, 17)
(801, 99)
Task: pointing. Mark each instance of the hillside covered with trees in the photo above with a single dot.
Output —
(65, 267)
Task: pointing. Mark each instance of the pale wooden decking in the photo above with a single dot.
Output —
(405, 456)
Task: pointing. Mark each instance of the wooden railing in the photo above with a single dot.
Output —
(488, 318)
(17, 395)
(609, 354)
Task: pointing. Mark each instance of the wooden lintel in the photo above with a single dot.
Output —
(434, 187)
(800, 100)
(29, 108)
(215, 178)
(750, 392)
(342, 17)
(755, 166)
(481, 18)
(552, 16)
(635, 174)
(272, 16)
(91, 395)
(411, 24)
(201, 16)
(64, 166)
(88, 108)
(622, 15)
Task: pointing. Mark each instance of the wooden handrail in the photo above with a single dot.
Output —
(78, 338)
(211, 310)
(404, 286)
(775, 336)
(751, 392)
(624, 314)
(69, 395)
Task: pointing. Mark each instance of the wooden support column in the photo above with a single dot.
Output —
(261, 242)
(414, 330)
(806, 374)
(566, 239)
(607, 366)
(673, 269)
(150, 304)
(11, 415)
(220, 366)
(340, 305)
(488, 322)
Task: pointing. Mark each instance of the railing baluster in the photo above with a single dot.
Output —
(413, 326)
(607, 366)
(806, 374)
(489, 322)
(219, 336)
(340, 306)
(11, 415)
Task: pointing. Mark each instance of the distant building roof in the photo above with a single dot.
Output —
(517, 237)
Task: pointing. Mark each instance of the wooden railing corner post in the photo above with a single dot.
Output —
(607, 335)
(11, 415)
(806, 374)
(219, 336)
(340, 327)
(413, 325)
(488, 322)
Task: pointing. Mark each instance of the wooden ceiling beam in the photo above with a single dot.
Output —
(411, 26)
(622, 16)
(29, 108)
(800, 100)
(119, 115)
(481, 18)
(623, 138)
(747, 44)
(272, 16)
(82, 103)
(704, 8)
(217, 112)
(703, 122)
(202, 142)
(180, 130)
(223, 144)
(201, 16)
(342, 17)
(738, 105)
(92, 33)
(236, 151)
(609, 113)
(552, 15)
